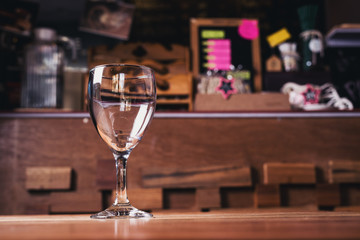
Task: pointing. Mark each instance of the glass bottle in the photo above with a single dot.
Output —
(44, 69)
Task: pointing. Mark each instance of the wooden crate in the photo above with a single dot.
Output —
(170, 65)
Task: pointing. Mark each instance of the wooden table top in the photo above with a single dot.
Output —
(228, 224)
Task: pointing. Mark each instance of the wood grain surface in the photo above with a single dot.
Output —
(178, 144)
(231, 224)
(344, 172)
(224, 176)
(289, 173)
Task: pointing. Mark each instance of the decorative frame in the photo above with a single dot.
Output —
(227, 23)
(108, 18)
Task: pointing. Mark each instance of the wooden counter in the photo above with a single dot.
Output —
(284, 224)
(55, 163)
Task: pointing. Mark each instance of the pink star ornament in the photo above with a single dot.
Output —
(226, 87)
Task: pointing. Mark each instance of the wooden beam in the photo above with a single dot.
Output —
(214, 176)
(344, 171)
(289, 173)
(48, 178)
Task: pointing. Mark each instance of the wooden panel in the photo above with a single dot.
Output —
(355, 209)
(328, 195)
(289, 173)
(48, 178)
(350, 194)
(208, 198)
(237, 197)
(175, 143)
(344, 172)
(75, 202)
(179, 198)
(197, 177)
(242, 102)
(145, 198)
(298, 195)
(267, 196)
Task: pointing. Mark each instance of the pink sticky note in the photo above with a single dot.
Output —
(219, 66)
(219, 56)
(218, 50)
(249, 29)
(220, 42)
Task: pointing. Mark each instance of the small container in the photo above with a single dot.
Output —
(289, 56)
(42, 84)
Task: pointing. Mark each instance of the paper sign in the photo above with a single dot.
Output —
(218, 56)
(217, 42)
(278, 37)
(212, 34)
(249, 29)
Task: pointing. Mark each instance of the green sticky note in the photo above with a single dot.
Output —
(212, 34)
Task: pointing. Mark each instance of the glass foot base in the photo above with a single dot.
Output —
(121, 211)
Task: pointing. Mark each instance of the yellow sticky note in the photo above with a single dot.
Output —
(278, 37)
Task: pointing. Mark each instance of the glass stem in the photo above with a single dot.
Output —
(121, 194)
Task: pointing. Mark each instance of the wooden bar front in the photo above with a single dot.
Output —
(174, 142)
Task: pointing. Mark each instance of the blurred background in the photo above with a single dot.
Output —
(153, 21)
(302, 153)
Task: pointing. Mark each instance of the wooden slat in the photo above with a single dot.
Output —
(48, 178)
(75, 202)
(289, 173)
(344, 171)
(196, 177)
(184, 198)
(328, 195)
(355, 209)
(208, 198)
(267, 196)
(125, 51)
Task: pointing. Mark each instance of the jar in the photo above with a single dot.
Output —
(42, 84)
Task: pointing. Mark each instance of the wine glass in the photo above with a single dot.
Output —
(121, 100)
